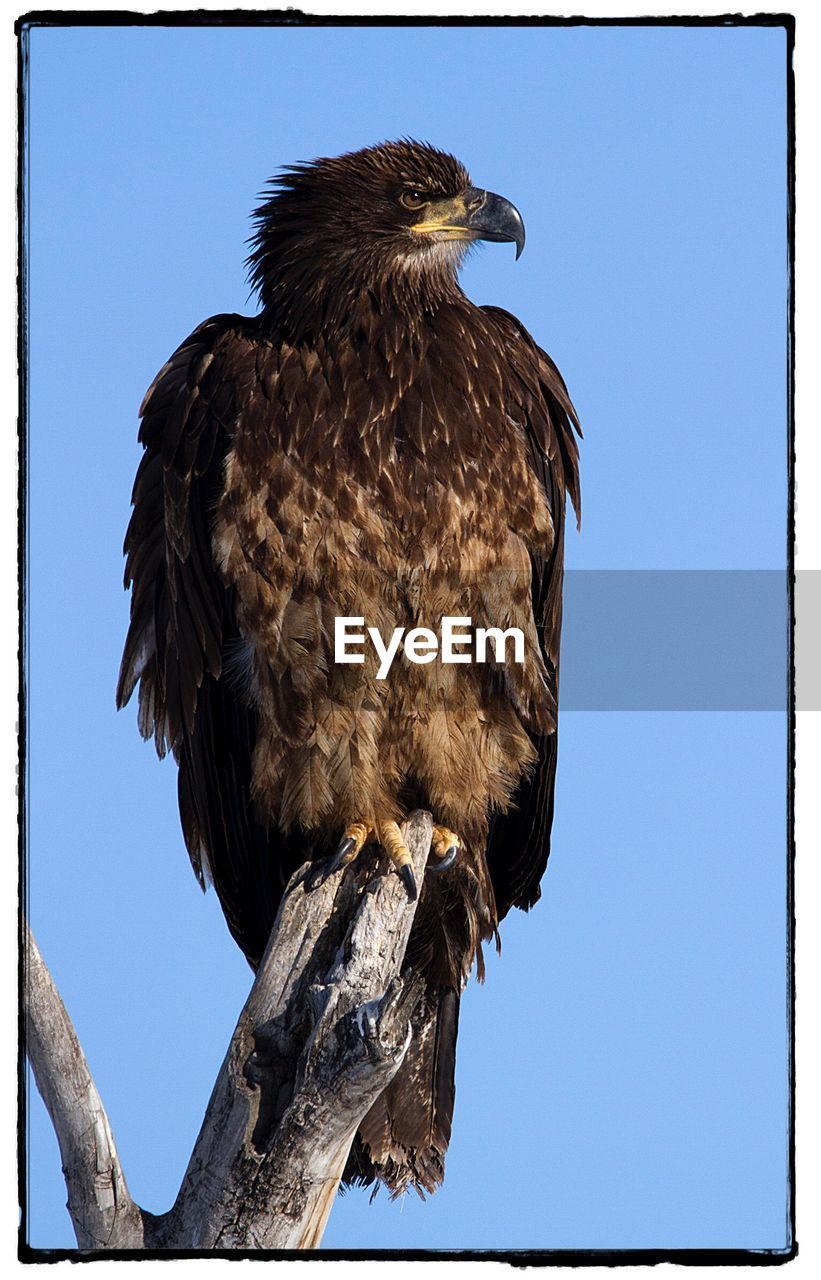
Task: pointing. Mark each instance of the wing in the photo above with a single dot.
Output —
(519, 840)
(183, 635)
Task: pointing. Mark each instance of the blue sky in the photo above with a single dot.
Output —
(622, 1077)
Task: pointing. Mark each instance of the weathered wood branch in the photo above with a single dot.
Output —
(324, 1030)
(102, 1211)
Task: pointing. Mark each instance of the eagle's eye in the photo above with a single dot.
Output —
(413, 199)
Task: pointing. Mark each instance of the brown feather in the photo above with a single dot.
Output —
(372, 444)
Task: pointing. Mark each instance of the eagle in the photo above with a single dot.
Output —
(371, 445)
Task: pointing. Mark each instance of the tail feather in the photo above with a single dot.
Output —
(403, 1139)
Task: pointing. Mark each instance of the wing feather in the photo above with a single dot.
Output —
(519, 840)
(183, 625)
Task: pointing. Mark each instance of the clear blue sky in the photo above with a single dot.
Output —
(622, 1075)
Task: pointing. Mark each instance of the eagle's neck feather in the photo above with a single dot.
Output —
(303, 301)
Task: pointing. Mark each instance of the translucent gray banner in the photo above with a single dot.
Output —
(681, 640)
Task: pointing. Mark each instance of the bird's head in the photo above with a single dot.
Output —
(400, 212)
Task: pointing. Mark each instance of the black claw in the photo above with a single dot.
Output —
(338, 860)
(345, 847)
(324, 870)
(442, 864)
(408, 881)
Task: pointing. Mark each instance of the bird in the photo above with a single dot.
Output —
(369, 445)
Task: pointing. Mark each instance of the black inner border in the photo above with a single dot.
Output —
(249, 18)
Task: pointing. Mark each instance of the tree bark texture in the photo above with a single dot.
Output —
(324, 1030)
(102, 1211)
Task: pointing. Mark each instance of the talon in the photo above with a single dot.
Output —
(407, 876)
(357, 834)
(444, 846)
(346, 845)
(334, 864)
(353, 839)
(444, 863)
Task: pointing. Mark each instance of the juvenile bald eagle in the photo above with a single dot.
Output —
(371, 445)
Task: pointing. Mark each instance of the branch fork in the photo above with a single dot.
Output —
(322, 1033)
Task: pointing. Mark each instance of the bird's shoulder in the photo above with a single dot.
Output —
(527, 357)
(222, 344)
(549, 416)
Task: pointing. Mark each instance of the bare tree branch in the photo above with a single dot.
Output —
(102, 1211)
(322, 1033)
(325, 1028)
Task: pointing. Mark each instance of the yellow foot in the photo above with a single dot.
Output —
(356, 835)
(390, 838)
(444, 846)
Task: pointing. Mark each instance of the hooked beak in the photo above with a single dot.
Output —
(474, 215)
